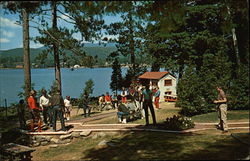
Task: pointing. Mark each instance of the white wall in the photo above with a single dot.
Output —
(164, 88)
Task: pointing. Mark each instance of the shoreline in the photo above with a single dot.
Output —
(69, 68)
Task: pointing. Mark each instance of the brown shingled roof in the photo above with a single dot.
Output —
(153, 75)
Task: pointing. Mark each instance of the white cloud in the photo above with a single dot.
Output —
(4, 22)
(64, 16)
(35, 45)
(3, 40)
(7, 33)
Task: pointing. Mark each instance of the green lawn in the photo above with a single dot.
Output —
(148, 146)
(239, 115)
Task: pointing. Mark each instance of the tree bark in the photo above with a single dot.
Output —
(55, 48)
(234, 37)
(26, 53)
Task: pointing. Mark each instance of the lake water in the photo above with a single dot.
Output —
(73, 82)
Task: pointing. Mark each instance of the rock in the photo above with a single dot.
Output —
(103, 143)
(75, 134)
(40, 138)
(64, 141)
(54, 140)
(95, 136)
(36, 144)
(62, 137)
(44, 143)
(48, 138)
(101, 134)
(53, 146)
(85, 133)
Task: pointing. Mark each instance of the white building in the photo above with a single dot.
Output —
(165, 81)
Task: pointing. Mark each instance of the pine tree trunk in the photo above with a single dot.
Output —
(26, 53)
(234, 38)
(55, 48)
(132, 47)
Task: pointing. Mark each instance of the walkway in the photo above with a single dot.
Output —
(80, 125)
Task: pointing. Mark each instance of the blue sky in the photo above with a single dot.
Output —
(11, 34)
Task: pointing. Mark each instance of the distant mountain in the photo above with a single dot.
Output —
(91, 49)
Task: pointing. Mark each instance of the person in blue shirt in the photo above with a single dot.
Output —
(147, 102)
(114, 100)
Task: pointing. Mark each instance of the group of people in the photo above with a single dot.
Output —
(139, 97)
(50, 107)
(108, 101)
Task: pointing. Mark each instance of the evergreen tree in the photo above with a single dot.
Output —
(116, 78)
(89, 87)
(25, 9)
(129, 40)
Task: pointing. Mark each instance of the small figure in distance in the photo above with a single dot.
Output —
(68, 107)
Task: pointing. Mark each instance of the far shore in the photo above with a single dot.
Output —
(70, 68)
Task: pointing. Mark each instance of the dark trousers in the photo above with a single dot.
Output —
(85, 109)
(146, 104)
(50, 114)
(57, 111)
(22, 120)
(45, 115)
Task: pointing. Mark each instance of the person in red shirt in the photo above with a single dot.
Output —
(108, 101)
(107, 98)
(35, 111)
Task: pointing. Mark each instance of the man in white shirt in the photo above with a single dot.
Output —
(44, 104)
(68, 107)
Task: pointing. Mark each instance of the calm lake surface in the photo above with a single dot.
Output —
(73, 82)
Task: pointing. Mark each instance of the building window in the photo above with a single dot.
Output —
(168, 93)
(168, 82)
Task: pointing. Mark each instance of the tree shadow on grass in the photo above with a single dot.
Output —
(142, 145)
(136, 146)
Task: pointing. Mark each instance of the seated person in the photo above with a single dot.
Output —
(134, 109)
(108, 101)
(122, 112)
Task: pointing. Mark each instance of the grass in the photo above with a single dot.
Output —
(204, 145)
(149, 146)
(232, 116)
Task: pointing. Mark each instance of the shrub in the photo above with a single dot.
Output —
(177, 123)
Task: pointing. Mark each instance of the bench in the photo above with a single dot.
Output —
(13, 151)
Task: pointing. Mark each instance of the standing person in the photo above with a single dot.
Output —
(21, 114)
(138, 100)
(58, 105)
(101, 102)
(44, 104)
(147, 102)
(68, 107)
(157, 97)
(222, 109)
(35, 111)
(131, 92)
(84, 103)
(124, 95)
(114, 100)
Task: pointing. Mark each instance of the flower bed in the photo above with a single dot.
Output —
(177, 123)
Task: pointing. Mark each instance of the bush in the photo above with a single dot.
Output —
(177, 123)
